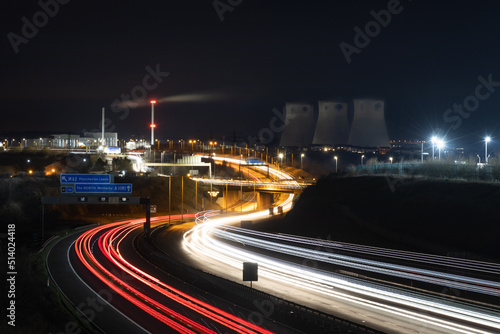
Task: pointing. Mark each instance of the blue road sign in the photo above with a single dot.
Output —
(85, 178)
(122, 188)
(67, 189)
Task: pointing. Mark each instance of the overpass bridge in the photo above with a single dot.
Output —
(280, 186)
(264, 194)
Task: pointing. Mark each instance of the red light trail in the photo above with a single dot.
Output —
(109, 238)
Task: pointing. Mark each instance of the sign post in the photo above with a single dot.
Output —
(250, 272)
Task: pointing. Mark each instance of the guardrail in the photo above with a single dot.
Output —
(283, 185)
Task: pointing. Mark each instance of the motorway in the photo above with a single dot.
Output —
(290, 267)
(104, 259)
(379, 306)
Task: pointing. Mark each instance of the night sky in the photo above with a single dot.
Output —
(227, 76)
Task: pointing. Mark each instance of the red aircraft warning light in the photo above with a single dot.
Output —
(153, 126)
(152, 101)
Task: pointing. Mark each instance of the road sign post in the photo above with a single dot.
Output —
(250, 272)
(85, 178)
(121, 188)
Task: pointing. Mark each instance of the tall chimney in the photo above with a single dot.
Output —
(102, 136)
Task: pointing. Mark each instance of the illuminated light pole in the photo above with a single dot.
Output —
(255, 207)
(362, 160)
(486, 140)
(196, 195)
(433, 141)
(301, 157)
(169, 197)
(182, 198)
(281, 158)
(336, 163)
(440, 145)
(390, 160)
(153, 125)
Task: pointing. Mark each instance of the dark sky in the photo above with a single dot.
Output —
(230, 74)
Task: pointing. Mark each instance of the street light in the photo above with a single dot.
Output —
(486, 140)
(153, 125)
(433, 141)
(362, 159)
(281, 158)
(336, 163)
(390, 160)
(440, 145)
(301, 156)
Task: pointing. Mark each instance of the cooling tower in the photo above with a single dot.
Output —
(299, 125)
(332, 127)
(368, 127)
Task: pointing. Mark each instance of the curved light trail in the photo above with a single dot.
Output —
(108, 238)
(199, 240)
(413, 273)
(418, 307)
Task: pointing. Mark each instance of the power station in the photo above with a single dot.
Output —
(332, 126)
(299, 125)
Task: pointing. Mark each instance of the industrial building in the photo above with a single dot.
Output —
(331, 125)
(299, 125)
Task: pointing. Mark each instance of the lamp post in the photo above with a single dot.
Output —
(301, 157)
(196, 195)
(281, 158)
(486, 140)
(362, 160)
(336, 163)
(440, 145)
(169, 197)
(182, 198)
(153, 125)
(390, 160)
(433, 141)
